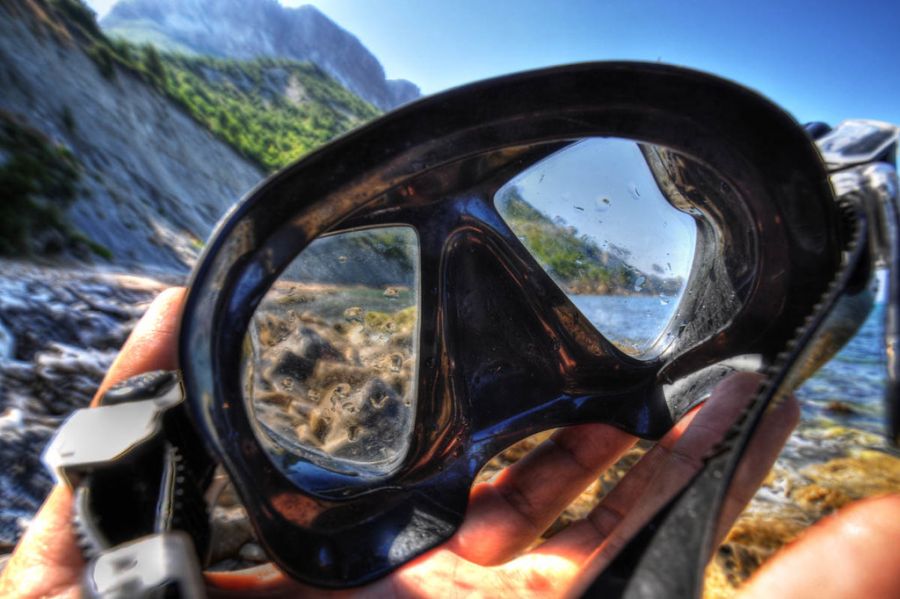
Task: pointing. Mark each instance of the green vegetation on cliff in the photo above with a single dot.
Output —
(39, 179)
(577, 263)
(272, 111)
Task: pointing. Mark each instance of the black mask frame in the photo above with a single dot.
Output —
(435, 165)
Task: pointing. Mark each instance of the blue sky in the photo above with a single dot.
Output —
(821, 60)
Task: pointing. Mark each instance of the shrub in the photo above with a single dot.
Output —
(68, 120)
(153, 64)
(103, 57)
(39, 180)
(79, 14)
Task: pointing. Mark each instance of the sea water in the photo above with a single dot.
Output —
(855, 377)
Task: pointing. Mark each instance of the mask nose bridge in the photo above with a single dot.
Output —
(521, 357)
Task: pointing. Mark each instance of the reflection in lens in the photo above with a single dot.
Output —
(594, 218)
(331, 357)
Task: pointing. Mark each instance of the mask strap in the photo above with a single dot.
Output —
(669, 556)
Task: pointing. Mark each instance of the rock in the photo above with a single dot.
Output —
(231, 531)
(24, 482)
(241, 29)
(840, 407)
(313, 346)
(354, 314)
(67, 377)
(68, 324)
(291, 367)
(252, 552)
(863, 473)
(822, 499)
(802, 498)
(7, 343)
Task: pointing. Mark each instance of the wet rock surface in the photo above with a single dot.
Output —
(61, 330)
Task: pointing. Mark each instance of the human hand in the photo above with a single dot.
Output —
(488, 555)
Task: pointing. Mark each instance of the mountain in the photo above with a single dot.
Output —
(248, 29)
(115, 149)
(92, 154)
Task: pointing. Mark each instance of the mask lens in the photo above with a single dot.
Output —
(593, 216)
(331, 353)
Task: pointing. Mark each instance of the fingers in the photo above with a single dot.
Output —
(442, 573)
(506, 515)
(152, 344)
(658, 476)
(851, 554)
(46, 561)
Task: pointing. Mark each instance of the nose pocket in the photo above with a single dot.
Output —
(524, 359)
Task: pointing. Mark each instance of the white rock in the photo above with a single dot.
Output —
(7, 343)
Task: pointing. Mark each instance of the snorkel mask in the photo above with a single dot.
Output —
(369, 326)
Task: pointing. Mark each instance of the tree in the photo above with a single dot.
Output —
(153, 64)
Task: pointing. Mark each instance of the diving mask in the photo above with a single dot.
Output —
(372, 324)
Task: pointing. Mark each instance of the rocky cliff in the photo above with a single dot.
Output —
(253, 28)
(153, 181)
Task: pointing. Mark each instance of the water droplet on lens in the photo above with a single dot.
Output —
(342, 259)
(354, 313)
(639, 283)
(287, 383)
(601, 204)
